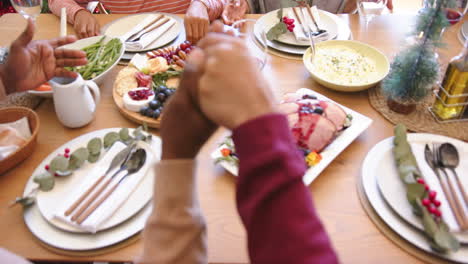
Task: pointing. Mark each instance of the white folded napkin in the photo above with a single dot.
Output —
(297, 31)
(150, 37)
(115, 200)
(139, 27)
(307, 22)
(6, 151)
(21, 125)
(433, 182)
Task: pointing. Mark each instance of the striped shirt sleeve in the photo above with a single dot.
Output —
(72, 8)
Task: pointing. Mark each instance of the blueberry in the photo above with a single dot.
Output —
(318, 110)
(156, 114)
(143, 110)
(161, 109)
(155, 104)
(161, 97)
(167, 92)
(309, 96)
(149, 112)
(161, 88)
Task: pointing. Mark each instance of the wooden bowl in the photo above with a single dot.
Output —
(12, 114)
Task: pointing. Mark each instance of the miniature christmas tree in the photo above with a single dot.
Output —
(415, 69)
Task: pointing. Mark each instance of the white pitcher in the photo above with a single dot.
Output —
(75, 100)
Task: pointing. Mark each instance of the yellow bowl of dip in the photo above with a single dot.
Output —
(346, 65)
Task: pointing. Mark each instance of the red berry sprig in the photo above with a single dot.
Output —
(430, 202)
(289, 23)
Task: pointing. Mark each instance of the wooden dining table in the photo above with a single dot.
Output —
(354, 236)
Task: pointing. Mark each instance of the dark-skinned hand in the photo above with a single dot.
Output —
(184, 129)
(32, 63)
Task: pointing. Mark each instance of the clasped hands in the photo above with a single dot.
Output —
(221, 86)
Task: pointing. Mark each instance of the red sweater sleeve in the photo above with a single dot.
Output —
(275, 206)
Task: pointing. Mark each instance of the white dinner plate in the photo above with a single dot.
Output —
(359, 124)
(126, 221)
(120, 26)
(268, 20)
(371, 167)
(47, 201)
(393, 189)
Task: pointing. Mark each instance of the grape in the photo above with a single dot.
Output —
(156, 113)
(143, 110)
(161, 96)
(154, 104)
(149, 112)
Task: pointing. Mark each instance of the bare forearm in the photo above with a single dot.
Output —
(175, 232)
(72, 8)
(2, 87)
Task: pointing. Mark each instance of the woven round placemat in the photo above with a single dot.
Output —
(420, 120)
(21, 99)
(390, 234)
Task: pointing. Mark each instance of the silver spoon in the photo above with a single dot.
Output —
(134, 164)
(450, 159)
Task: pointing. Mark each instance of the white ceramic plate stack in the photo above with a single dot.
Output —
(127, 221)
(342, 141)
(287, 44)
(387, 195)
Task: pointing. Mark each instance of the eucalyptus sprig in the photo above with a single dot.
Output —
(64, 165)
(278, 29)
(435, 228)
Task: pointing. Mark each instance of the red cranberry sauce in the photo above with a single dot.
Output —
(142, 94)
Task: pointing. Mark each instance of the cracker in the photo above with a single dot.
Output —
(125, 80)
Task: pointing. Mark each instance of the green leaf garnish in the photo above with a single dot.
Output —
(94, 146)
(77, 158)
(124, 134)
(436, 230)
(277, 30)
(59, 163)
(24, 201)
(45, 180)
(92, 158)
(110, 138)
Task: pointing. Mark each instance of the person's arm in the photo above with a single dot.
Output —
(275, 206)
(3, 92)
(72, 8)
(84, 23)
(176, 231)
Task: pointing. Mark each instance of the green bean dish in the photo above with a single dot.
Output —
(100, 57)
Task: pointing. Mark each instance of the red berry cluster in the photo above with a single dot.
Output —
(142, 94)
(66, 154)
(432, 205)
(289, 23)
(180, 52)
